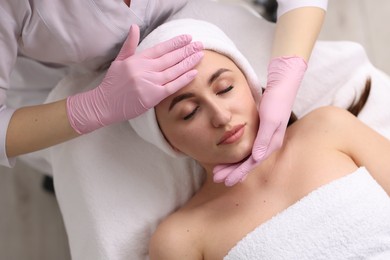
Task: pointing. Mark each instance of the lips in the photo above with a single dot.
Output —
(232, 135)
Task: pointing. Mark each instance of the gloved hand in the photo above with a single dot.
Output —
(135, 83)
(285, 75)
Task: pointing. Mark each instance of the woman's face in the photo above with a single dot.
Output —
(213, 119)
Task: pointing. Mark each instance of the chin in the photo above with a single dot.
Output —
(243, 158)
(241, 155)
(232, 155)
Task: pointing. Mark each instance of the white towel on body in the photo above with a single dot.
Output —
(348, 218)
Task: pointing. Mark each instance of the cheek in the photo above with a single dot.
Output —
(254, 118)
(188, 140)
(186, 137)
(248, 111)
(255, 123)
(247, 107)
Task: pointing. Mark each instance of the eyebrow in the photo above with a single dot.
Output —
(179, 98)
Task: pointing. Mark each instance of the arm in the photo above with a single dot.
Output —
(296, 31)
(38, 127)
(340, 130)
(30, 128)
(365, 146)
(295, 35)
(152, 74)
(171, 242)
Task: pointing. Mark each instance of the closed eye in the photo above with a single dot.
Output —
(225, 90)
(190, 115)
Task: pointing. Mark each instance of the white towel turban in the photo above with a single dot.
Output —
(214, 39)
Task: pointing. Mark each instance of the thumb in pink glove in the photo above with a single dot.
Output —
(285, 75)
(135, 83)
(231, 174)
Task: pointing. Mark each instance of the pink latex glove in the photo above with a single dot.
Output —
(285, 75)
(135, 82)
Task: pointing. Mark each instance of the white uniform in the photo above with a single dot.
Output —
(85, 33)
(288, 5)
(88, 33)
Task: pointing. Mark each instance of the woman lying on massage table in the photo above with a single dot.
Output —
(324, 193)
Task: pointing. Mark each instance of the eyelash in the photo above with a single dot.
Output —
(190, 115)
(225, 90)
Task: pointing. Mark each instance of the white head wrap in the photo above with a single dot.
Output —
(214, 39)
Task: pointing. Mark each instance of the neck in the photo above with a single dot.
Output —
(261, 171)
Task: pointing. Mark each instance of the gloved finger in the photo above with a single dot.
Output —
(276, 141)
(179, 83)
(130, 44)
(240, 172)
(168, 46)
(181, 74)
(222, 171)
(168, 60)
(263, 140)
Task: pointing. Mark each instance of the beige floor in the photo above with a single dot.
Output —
(31, 226)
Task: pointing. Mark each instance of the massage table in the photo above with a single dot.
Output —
(113, 188)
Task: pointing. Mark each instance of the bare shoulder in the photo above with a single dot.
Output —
(175, 239)
(338, 122)
(324, 122)
(336, 128)
(331, 128)
(327, 115)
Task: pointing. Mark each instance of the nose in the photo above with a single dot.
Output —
(220, 114)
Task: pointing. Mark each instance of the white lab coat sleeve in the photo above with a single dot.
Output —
(8, 54)
(287, 5)
(5, 117)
